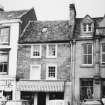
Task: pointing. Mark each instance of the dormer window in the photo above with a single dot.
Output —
(87, 27)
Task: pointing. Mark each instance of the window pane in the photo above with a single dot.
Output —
(1, 67)
(85, 49)
(85, 59)
(89, 27)
(89, 49)
(86, 89)
(4, 35)
(84, 27)
(103, 58)
(4, 61)
(51, 50)
(3, 56)
(89, 59)
(52, 71)
(5, 67)
(36, 50)
(87, 53)
(103, 47)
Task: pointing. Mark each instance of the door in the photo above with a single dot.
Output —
(35, 72)
(41, 99)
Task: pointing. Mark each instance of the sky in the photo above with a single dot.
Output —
(57, 9)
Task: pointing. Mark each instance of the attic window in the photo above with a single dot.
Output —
(44, 29)
(87, 27)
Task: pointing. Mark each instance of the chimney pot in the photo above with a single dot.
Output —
(1, 8)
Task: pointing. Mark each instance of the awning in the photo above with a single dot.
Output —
(40, 86)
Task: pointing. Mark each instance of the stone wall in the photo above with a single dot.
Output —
(62, 61)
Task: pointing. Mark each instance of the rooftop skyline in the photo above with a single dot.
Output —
(57, 9)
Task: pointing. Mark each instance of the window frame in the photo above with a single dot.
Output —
(7, 63)
(87, 28)
(7, 43)
(38, 65)
(86, 86)
(47, 72)
(86, 54)
(40, 51)
(47, 51)
(102, 53)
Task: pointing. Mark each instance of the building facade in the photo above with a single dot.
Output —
(87, 60)
(10, 28)
(44, 62)
(51, 60)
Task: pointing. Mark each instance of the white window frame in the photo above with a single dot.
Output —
(47, 51)
(47, 71)
(83, 55)
(8, 34)
(38, 65)
(87, 28)
(6, 62)
(32, 49)
(101, 54)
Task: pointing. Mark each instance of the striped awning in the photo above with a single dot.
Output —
(40, 86)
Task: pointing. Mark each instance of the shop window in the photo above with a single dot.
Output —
(4, 35)
(4, 55)
(86, 89)
(87, 53)
(29, 96)
(8, 95)
(51, 51)
(56, 96)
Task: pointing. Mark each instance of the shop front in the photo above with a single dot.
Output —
(41, 92)
(6, 89)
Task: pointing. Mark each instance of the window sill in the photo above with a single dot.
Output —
(51, 56)
(3, 73)
(86, 66)
(51, 79)
(35, 57)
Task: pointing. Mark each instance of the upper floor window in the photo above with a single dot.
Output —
(35, 72)
(4, 35)
(87, 27)
(4, 55)
(51, 71)
(87, 53)
(36, 51)
(103, 53)
(51, 50)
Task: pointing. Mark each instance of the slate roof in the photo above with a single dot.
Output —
(78, 27)
(47, 31)
(44, 31)
(7, 15)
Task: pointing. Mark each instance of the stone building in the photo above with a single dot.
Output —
(44, 62)
(11, 25)
(51, 60)
(88, 59)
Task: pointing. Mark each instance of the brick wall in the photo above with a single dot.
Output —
(62, 61)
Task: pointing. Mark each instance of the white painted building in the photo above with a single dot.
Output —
(12, 23)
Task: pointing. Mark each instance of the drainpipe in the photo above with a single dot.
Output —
(73, 57)
(97, 77)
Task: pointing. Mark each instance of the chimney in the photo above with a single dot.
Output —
(72, 17)
(1, 8)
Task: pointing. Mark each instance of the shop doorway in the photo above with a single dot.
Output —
(41, 99)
